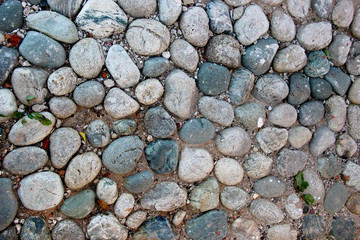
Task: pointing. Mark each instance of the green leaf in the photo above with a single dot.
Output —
(30, 116)
(45, 122)
(41, 118)
(18, 115)
(30, 97)
(3, 115)
(327, 53)
(23, 121)
(300, 184)
(309, 199)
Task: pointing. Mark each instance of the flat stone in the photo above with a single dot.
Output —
(139, 182)
(158, 122)
(138, 8)
(339, 80)
(156, 66)
(269, 187)
(41, 191)
(229, 171)
(270, 88)
(353, 118)
(213, 79)
(197, 131)
(266, 211)
(335, 198)
(346, 146)
(294, 206)
(316, 186)
(80, 205)
(69, 8)
(162, 156)
(355, 26)
(124, 205)
(217, 111)
(344, 228)
(323, 139)
(165, 197)
(11, 13)
(120, 105)
(299, 136)
(352, 63)
(205, 196)
(258, 165)
(66, 230)
(252, 25)
(106, 226)
(322, 8)
(290, 59)
(251, 115)
(158, 228)
(314, 36)
(82, 170)
(272, 139)
(234, 198)
(245, 228)
(124, 127)
(335, 108)
(224, 49)
(351, 175)
(169, 11)
(339, 49)
(8, 61)
(354, 92)
(241, 84)
(35, 228)
(313, 227)
(290, 162)
(343, 13)
(98, 133)
(8, 104)
(195, 164)
(329, 166)
(233, 142)
(62, 81)
(283, 27)
(320, 88)
(106, 190)
(136, 219)
(184, 55)
(121, 155)
(318, 64)
(283, 115)
(282, 232)
(89, 94)
(353, 203)
(86, 58)
(9, 206)
(311, 113)
(299, 89)
(298, 8)
(64, 143)
(219, 17)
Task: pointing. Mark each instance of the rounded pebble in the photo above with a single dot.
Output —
(106, 226)
(66, 230)
(228, 171)
(62, 107)
(233, 142)
(106, 190)
(149, 91)
(98, 133)
(89, 94)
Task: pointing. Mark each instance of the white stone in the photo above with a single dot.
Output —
(119, 105)
(282, 232)
(237, 3)
(106, 190)
(283, 27)
(272, 139)
(228, 171)
(124, 205)
(62, 107)
(299, 136)
(352, 175)
(8, 104)
(355, 26)
(294, 206)
(298, 8)
(149, 91)
(169, 11)
(315, 35)
(290, 59)
(138, 8)
(136, 219)
(215, 110)
(272, 2)
(343, 13)
(62, 81)
(106, 226)
(233, 142)
(184, 55)
(179, 217)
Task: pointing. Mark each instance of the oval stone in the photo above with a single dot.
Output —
(9, 204)
(80, 205)
(162, 156)
(139, 182)
(197, 131)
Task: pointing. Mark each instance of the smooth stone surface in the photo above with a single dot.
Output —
(136, 219)
(169, 11)
(86, 58)
(197, 131)
(158, 228)
(329, 166)
(8, 60)
(184, 55)
(82, 170)
(335, 108)
(67, 8)
(233, 142)
(298, 8)
(311, 113)
(351, 175)
(106, 190)
(121, 67)
(299, 136)
(245, 228)
(315, 35)
(346, 146)
(8, 104)
(213, 79)
(66, 230)
(41, 191)
(124, 205)
(245, 30)
(195, 164)
(290, 59)
(42, 51)
(205, 196)
(290, 162)
(165, 197)
(272, 139)
(353, 118)
(194, 24)
(9, 206)
(234, 198)
(181, 94)
(266, 211)
(219, 17)
(80, 205)
(283, 27)
(355, 26)
(313, 227)
(156, 66)
(299, 89)
(120, 105)
(352, 63)
(270, 88)
(241, 84)
(35, 228)
(139, 182)
(344, 228)
(121, 155)
(316, 186)
(335, 198)
(258, 165)
(323, 138)
(158, 123)
(11, 13)
(179, 217)
(294, 206)
(354, 92)
(53, 25)
(62, 81)
(339, 49)
(64, 143)
(98, 133)
(258, 57)
(229, 171)
(25, 160)
(224, 49)
(269, 187)
(320, 88)
(282, 232)
(30, 132)
(318, 64)
(339, 80)
(210, 225)
(322, 8)
(251, 115)
(353, 203)
(89, 94)
(162, 156)
(106, 226)
(343, 13)
(237, 3)
(138, 8)
(124, 127)
(283, 115)
(217, 111)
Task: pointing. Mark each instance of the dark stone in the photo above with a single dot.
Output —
(162, 156)
(8, 60)
(158, 123)
(313, 227)
(155, 228)
(311, 113)
(339, 80)
(11, 13)
(318, 64)
(9, 204)
(213, 79)
(9, 234)
(156, 66)
(35, 228)
(139, 182)
(344, 228)
(241, 85)
(320, 88)
(299, 89)
(290, 162)
(79, 205)
(197, 131)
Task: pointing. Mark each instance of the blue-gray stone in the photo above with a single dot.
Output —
(318, 65)
(313, 227)
(213, 79)
(269, 187)
(42, 51)
(98, 133)
(311, 113)
(35, 228)
(211, 225)
(11, 13)
(67, 8)
(329, 166)
(258, 57)
(35, 2)
(124, 127)
(9, 204)
(197, 131)
(121, 155)
(241, 84)
(339, 80)
(156, 66)
(219, 17)
(8, 60)
(9, 234)
(158, 123)
(344, 228)
(162, 156)
(89, 94)
(322, 8)
(299, 89)
(270, 88)
(155, 228)
(79, 205)
(335, 198)
(139, 182)
(251, 115)
(320, 88)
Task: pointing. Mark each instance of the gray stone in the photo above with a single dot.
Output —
(252, 25)
(346, 146)
(351, 175)
(35, 228)
(121, 155)
(124, 205)
(181, 94)
(213, 79)
(62, 107)
(290, 162)
(320, 88)
(119, 105)
(169, 11)
(258, 165)
(219, 16)
(54, 25)
(355, 26)
(353, 203)
(86, 58)
(184, 55)
(299, 89)
(323, 139)
(270, 88)
(125, 127)
(138, 8)
(218, 111)
(64, 143)
(8, 60)
(241, 84)
(68, 8)
(354, 92)
(335, 198)
(205, 196)
(311, 113)
(106, 226)
(194, 24)
(165, 197)
(283, 27)
(148, 37)
(344, 228)
(269, 187)
(251, 115)
(329, 166)
(106, 190)
(197, 131)
(67, 230)
(158, 123)
(156, 66)
(294, 206)
(236, 13)
(290, 59)
(352, 63)
(80, 205)
(271, 2)
(298, 8)
(9, 204)
(28, 131)
(313, 227)
(339, 49)
(282, 232)
(9, 233)
(343, 13)
(149, 91)
(11, 13)
(25, 160)
(156, 228)
(162, 156)
(8, 104)
(316, 186)
(335, 108)
(195, 164)
(299, 136)
(229, 171)
(224, 49)
(322, 8)
(234, 198)
(89, 94)
(318, 64)
(62, 81)
(283, 115)
(339, 80)
(233, 142)
(245, 228)
(272, 139)
(136, 219)
(353, 118)
(258, 57)
(315, 35)
(237, 3)
(98, 133)
(42, 51)
(139, 182)
(266, 211)
(41, 191)
(82, 170)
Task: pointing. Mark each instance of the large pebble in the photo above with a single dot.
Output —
(258, 165)
(165, 196)
(124, 127)
(290, 162)
(353, 118)
(158, 122)
(269, 187)
(316, 186)
(298, 8)
(106, 190)
(8, 60)
(229, 171)
(217, 111)
(35, 228)
(251, 115)
(136, 219)
(293, 206)
(80, 205)
(41, 191)
(272, 139)
(155, 228)
(339, 80)
(317, 65)
(98, 133)
(224, 49)
(156, 66)
(162, 156)
(121, 155)
(266, 211)
(353, 203)
(355, 26)
(343, 13)
(339, 49)
(346, 146)
(219, 16)
(311, 113)
(252, 25)
(290, 59)
(234, 198)
(233, 142)
(106, 226)
(197, 131)
(241, 84)
(320, 88)
(195, 164)
(119, 105)
(351, 175)
(245, 228)
(169, 11)
(138, 8)
(329, 166)
(352, 63)
(283, 27)
(205, 196)
(283, 115)
(313, 227)
(299, 89)
(8, 104)
(68, 8)
(149, 91)
(344, 228)
(270, 88)
(62, 81)
(89, 94)
(354, 92)
(299, 136)
(323, 139)
(124, 205)
(11, 13)
(139, 182)
(335, 198)
(82, 170)
(335, 108)
(9, 204)
(213, 79)
(322, 8)
(282, 232)
(315, 35)
(184, 55)
(67, 230)
(86, 58)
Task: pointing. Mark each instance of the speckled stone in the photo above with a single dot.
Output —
(205, 196)
(339, 80)
(156, 228)
(35, 228)
(233, 142)
(272, 139)
(224, 49)
(89, 94)
(234, 198)
(311, 113)
(229, 171)
(139, 182)
(335, 108)
(158, 122)
(335, 198)
(241, 84)
(299, 89)
(270, 88)
(318, 64)
(266, 211)
(313, 227)
(156, 66)
(217, 111)
(125, 127)
(344, 228)
(346, 146)
(316, 186)
(213, 79)
(323, 139)
(197, 131)
(98, 133)
(162, 156)
(290, 162)
(329, 166)
(320, 88)
(258, 165)
(11, 13)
